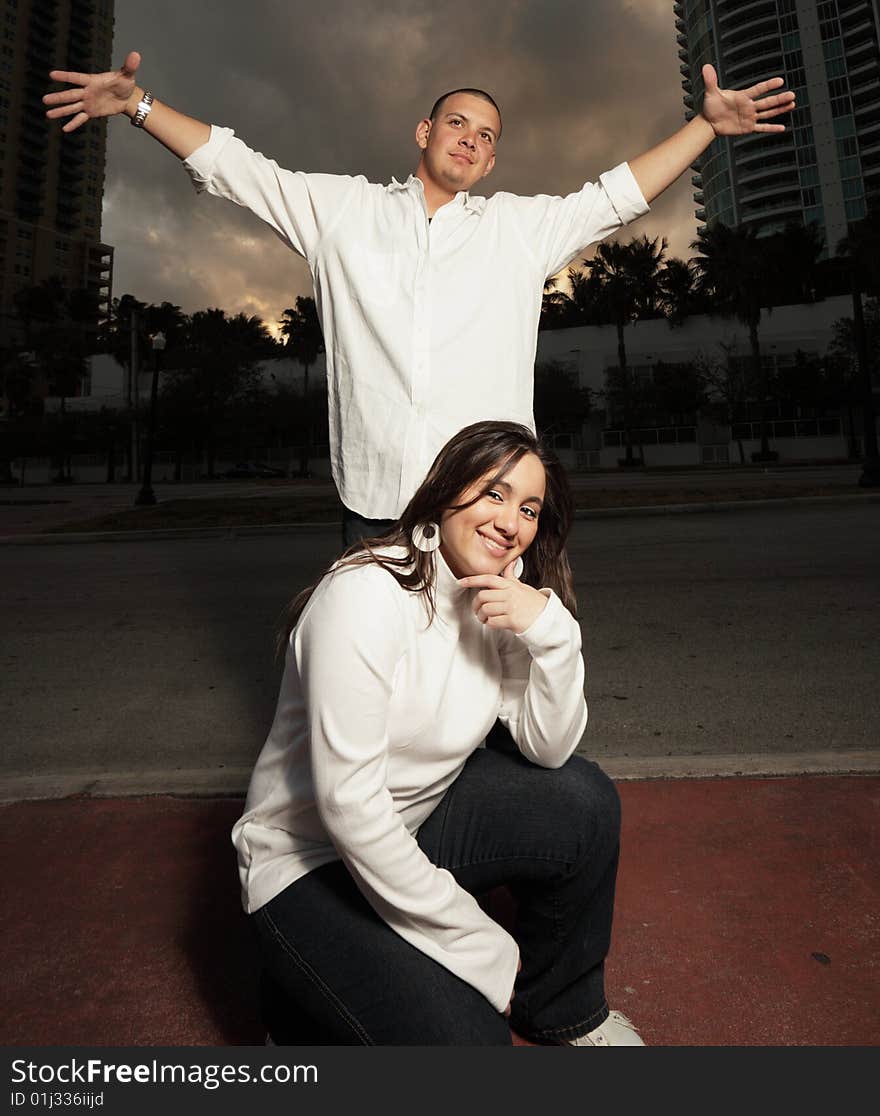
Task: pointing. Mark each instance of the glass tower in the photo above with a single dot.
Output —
(51, 184)
(825, 169)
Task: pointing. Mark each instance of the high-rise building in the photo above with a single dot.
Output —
(51, 184)
(825, 168)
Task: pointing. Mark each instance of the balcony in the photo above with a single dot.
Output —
(780, 166)
(862, 30)
(750, 31)
(754, 66)
(745, 12)
(756, 192)
(753, 213)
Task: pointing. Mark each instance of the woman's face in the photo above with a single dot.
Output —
(500, 525)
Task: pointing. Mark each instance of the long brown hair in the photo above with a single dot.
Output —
(484, 450)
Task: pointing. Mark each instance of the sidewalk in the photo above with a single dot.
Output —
(747, 914)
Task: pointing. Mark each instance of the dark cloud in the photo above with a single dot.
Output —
(339, 86)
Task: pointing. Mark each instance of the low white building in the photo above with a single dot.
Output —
(783, 333)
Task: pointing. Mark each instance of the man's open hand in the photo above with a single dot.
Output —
(737, 112)
(92, 95)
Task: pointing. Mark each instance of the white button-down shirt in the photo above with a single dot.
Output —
(428, 326)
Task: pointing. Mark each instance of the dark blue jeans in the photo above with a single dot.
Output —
(337, 974)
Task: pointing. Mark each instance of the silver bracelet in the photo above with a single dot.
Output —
(143, 110)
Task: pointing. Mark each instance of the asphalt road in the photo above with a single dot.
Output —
(743, 633)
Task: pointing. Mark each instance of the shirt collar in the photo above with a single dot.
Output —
(473, 205)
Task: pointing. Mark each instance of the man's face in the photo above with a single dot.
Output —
(458, 146)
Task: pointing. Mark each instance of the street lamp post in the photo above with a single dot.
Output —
(146, 495)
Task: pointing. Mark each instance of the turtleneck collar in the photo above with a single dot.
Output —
(451, 596)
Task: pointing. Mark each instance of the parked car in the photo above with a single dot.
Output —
(251, 470)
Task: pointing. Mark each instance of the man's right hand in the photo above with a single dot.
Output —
(93, 95)
(96, 95)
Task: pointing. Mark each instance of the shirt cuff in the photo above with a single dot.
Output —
(548, 629)
(200, 164)
(623, 191)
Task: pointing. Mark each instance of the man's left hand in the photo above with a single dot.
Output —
(737, 112)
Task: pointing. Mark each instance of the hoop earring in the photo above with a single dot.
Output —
(426, 537)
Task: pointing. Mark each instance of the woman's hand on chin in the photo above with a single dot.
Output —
(503, 601)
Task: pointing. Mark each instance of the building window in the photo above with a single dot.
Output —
(847, 147)
(833, 48)
(855, 209)
(844, 126)
(810, 176)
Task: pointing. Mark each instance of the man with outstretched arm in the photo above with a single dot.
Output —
(429, 296)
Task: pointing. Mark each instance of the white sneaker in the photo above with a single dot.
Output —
(617, 1030)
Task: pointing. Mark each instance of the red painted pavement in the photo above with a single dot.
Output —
(747, 913)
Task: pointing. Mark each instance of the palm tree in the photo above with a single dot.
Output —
(736, 277)
(554, 305)
(305, 343)
(623, 282)
(59, 328)
(796, 252)
(861, 251)
(224, 356)
(678, 290)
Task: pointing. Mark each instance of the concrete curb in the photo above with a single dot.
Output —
(245, 531)
(232, 782)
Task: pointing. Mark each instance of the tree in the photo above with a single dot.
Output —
(736, 277)
(677, 283)
(678, 393)
(561, 404)
(221, 357)
(60, 330)
(796, 251)
(842, 362)
(147, 319)
(623, 286)
(860, 250)
(554, 305)
(305, 342)
(726, 385)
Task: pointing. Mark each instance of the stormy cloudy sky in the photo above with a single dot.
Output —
(339, 85)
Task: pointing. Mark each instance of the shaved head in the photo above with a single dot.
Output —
(481, 93)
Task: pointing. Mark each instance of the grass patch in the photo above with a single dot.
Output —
(231, 511)
(321, 504)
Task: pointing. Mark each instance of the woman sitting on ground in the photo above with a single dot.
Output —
(374, 817)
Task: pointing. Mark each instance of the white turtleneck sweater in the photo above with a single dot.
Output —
(377, 714)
